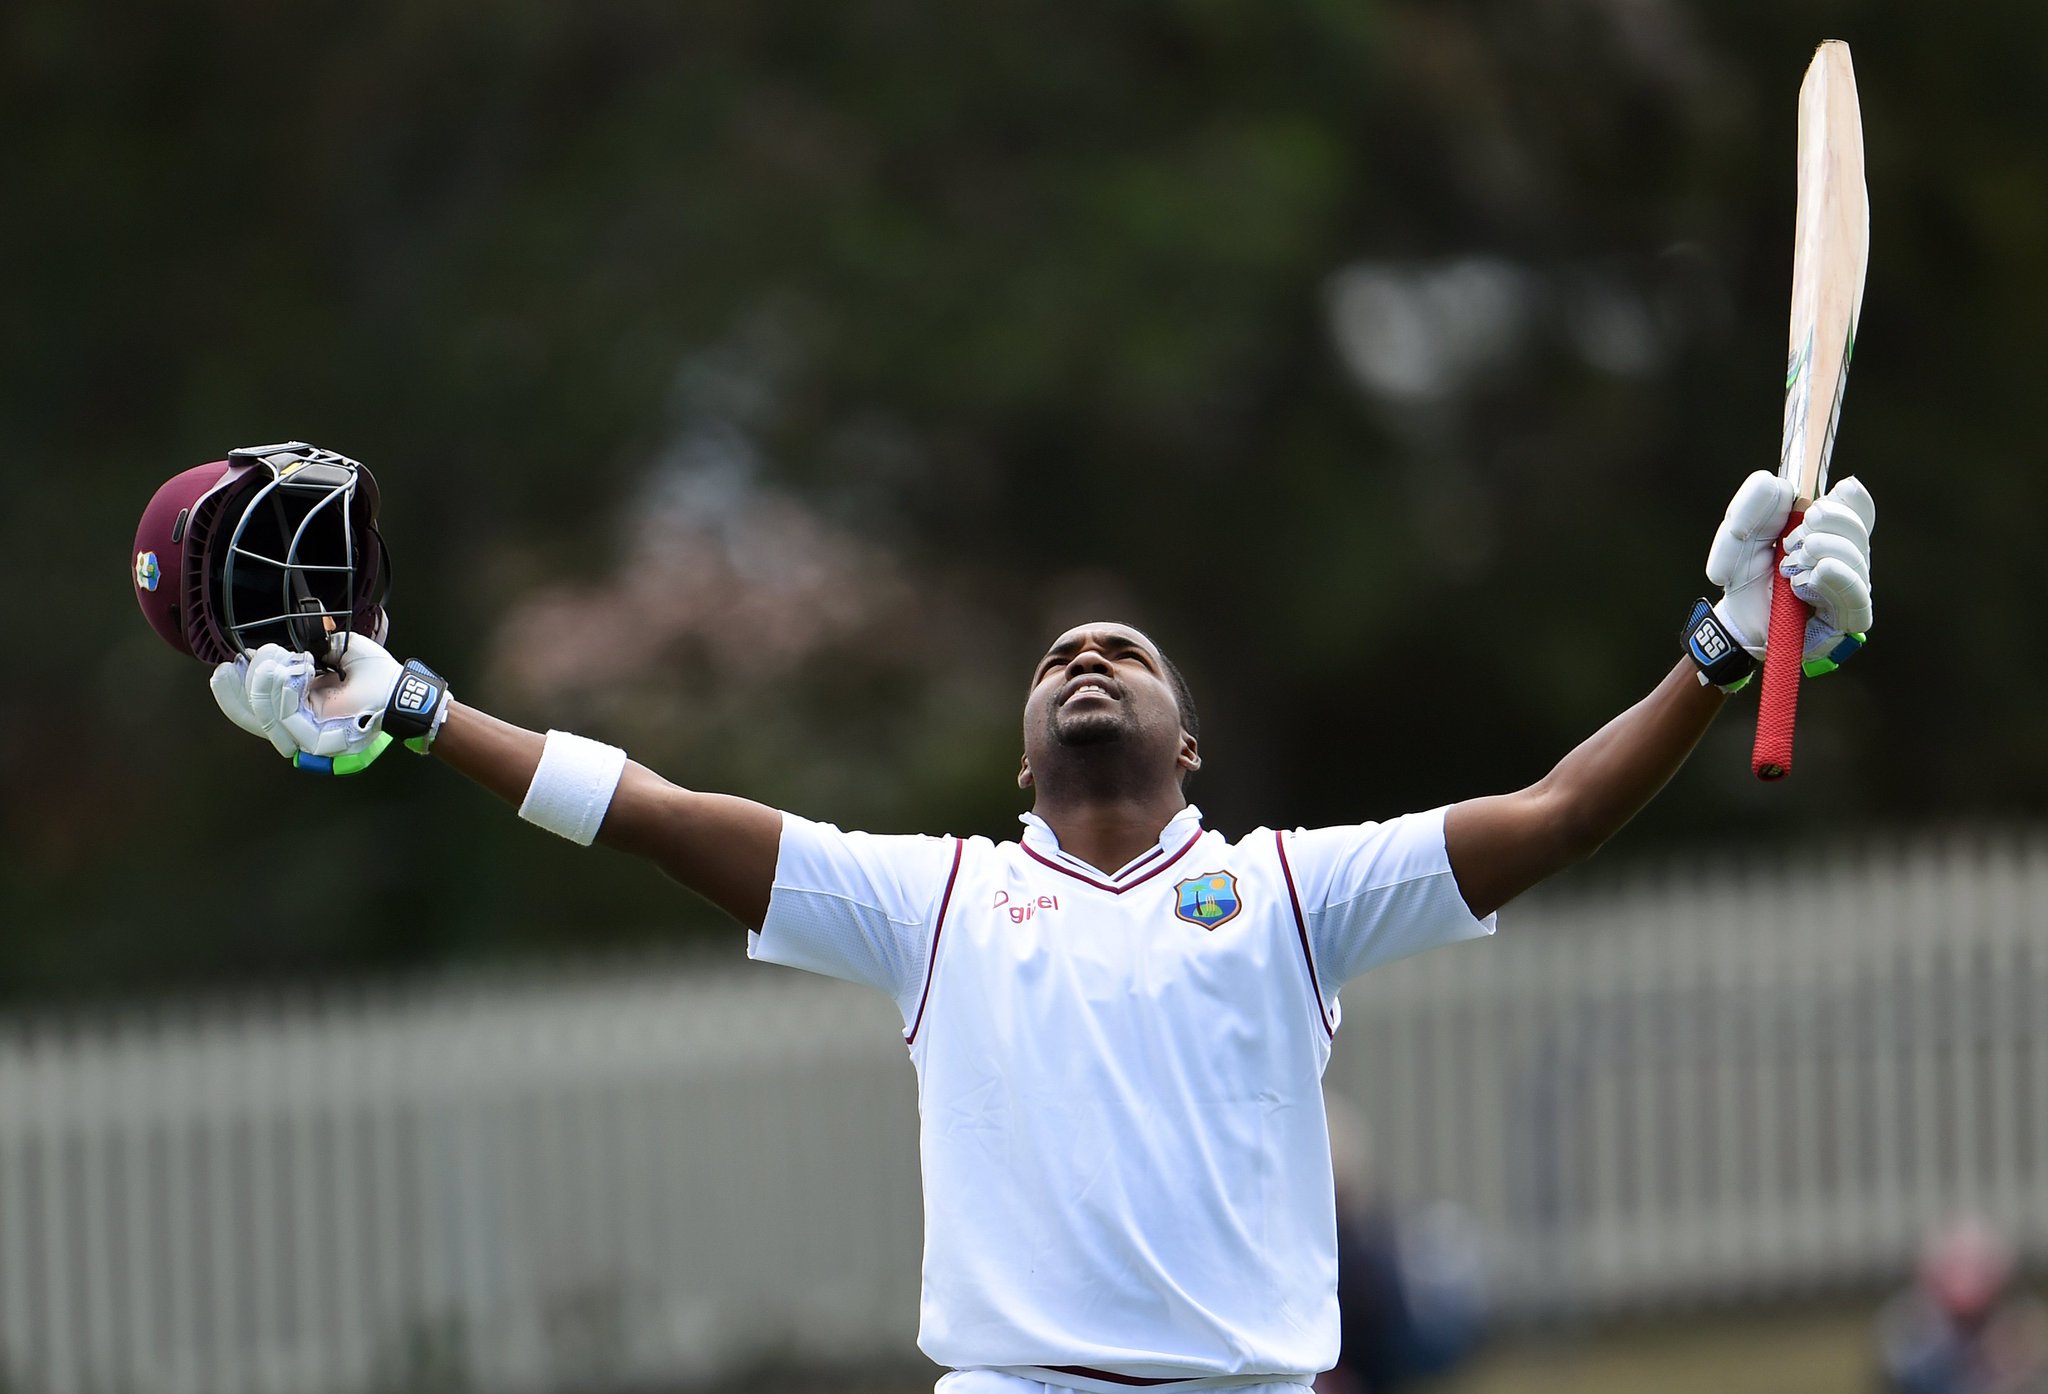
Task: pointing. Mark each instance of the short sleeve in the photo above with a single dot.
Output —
(1375, 892)
(855, 906)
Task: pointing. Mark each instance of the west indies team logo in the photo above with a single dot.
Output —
(1207, 900)
(146, 571)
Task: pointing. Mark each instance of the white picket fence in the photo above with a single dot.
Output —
(1729, 1080)
(615, 1179)
(1722, 1083)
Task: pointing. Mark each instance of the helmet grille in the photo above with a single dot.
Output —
(290, 571)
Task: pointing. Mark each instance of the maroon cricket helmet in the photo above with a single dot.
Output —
(277, 544)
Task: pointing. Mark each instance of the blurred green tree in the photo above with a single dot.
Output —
(761, 384)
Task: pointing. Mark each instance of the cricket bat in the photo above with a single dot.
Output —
(1830, 251)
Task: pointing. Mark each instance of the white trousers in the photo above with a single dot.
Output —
(995, 1382)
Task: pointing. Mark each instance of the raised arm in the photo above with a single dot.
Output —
(721, 847)
(1503, 845)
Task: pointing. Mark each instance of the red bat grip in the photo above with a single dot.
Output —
(1784, 648)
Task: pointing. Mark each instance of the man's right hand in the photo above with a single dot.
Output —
(305, 712)
(723, 848)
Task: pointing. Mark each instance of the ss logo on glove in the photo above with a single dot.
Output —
(413, 694)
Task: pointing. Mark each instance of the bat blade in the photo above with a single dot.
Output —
(1830, 255)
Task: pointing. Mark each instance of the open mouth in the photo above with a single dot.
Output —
(1087, 687)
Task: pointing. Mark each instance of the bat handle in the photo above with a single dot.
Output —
(1784, 648)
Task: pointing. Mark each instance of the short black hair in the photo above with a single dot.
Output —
(1183, 697)
(1184, 701)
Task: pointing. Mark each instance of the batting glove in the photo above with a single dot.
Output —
(230, 694)
(1826, 558)
(332, 722)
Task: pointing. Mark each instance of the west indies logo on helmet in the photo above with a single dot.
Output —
(277, 544)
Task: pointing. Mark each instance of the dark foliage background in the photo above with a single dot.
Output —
(761, 385)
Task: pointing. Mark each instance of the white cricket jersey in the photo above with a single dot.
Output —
(1126, 1167)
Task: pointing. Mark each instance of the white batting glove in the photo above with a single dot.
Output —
(327, 721)
(229, 685)
(1826, 558)
(280, 696)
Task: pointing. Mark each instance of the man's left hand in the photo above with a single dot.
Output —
(1826, 558)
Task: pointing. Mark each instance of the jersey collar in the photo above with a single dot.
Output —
(1180, 833)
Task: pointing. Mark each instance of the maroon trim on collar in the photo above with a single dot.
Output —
(1082, 868)
(1110, 886)
(1301, 929)
(1110, 1377)
(938, 927)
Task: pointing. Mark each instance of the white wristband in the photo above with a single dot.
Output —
(573, 786)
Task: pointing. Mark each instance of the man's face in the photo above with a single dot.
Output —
(1101, 684)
